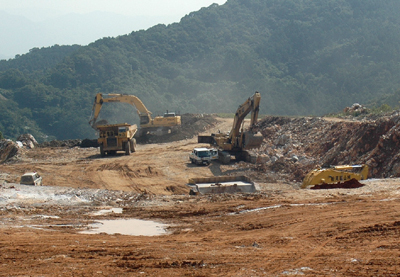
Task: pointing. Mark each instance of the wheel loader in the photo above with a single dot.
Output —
(237, 141)
(335, 174)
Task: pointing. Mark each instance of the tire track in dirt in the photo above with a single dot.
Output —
(332, 234)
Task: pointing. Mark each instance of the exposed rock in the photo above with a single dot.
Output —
(355, 109)
(294, 146)
(8, 149)
(27, 141)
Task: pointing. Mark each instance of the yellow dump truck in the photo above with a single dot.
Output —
(116, 137)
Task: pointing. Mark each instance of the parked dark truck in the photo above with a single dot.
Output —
(116, 137)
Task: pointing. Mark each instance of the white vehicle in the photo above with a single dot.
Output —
(31, 178)
(200, 156)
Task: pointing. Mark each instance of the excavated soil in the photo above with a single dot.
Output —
(350, 184)
(279, 231)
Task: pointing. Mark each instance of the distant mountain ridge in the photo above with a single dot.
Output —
(304, 57)
(22, 34)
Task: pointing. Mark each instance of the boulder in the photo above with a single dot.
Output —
(27, 141)
(8, 149)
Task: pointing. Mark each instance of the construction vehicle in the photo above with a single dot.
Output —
(237, 141)
(117, 137)
(335, 174)
(160, 125)
(222, 184)
(202, 155)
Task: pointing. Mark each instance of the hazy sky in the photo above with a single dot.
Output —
(26, 24)
(51, 8)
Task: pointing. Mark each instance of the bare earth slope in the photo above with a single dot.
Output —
(278, 231)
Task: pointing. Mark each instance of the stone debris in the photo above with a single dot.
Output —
(355, 109)
(294, 146)
(27, 140)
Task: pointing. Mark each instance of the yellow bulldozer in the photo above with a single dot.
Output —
(335, 174)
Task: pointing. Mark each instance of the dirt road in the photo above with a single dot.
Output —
(279, 231)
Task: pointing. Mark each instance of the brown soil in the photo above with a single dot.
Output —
(278, 231)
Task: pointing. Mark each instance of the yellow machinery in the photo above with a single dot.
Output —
(116, 137)
(335, 174)
(159, 125)
(237, 141)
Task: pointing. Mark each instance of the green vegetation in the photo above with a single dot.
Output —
(1, 135)
(304, 57)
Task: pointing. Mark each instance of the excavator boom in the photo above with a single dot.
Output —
(143, 112)
(147, 123)
(252, 104)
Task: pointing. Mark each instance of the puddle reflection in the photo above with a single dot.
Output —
(131, 227)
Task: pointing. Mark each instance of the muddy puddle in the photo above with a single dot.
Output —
(130, 227)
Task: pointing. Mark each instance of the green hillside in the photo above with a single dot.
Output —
(304, 57)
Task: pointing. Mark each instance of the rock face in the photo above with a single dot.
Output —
(294, 146)
(8, 149)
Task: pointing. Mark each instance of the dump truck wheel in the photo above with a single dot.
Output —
(127, 148)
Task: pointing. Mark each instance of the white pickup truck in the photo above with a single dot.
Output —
(203, 156)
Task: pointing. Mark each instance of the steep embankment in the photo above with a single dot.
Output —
(293, 146)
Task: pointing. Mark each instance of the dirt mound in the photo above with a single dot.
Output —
(350, 184)
(61, 143)
(192, 125)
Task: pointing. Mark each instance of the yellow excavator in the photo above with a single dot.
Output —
(237, 141)
(160, 125)
(335, 174)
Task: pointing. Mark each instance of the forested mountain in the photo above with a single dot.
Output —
(305, 58)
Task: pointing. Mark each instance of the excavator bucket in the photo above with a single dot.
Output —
(252, 140)
(223, 184)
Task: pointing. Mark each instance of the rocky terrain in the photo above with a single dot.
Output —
(280, 230)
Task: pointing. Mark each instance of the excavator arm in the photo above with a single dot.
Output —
(143, 112)
(252, 104)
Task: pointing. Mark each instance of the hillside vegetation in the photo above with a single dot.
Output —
(304, 57)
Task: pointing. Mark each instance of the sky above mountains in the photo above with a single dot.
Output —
(26, 24)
